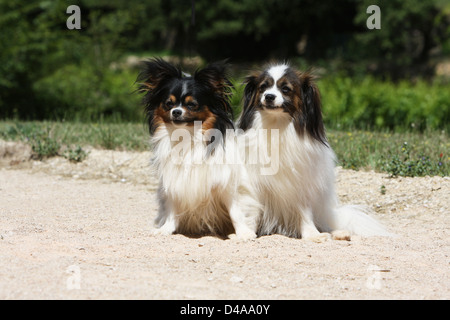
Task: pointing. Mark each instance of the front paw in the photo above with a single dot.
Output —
(341, 235)
(243, 235)
(162, 231)
(318, 238)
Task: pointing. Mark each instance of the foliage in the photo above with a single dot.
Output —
(370, 103)
(105, 135)
(427, 153)
(30, 31)
(403, 164)
(50, 72)
(79, 92)
(76, 154)
(419, 154)
(409, 31)
(43, 145)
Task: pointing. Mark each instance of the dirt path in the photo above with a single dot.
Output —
(83, 231)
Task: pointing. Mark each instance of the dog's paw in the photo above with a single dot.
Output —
(243, 236)
(161, 232)
(246, 236)
(341, 235)
(318, 238)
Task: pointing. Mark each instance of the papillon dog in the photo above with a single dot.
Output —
(200, 192)
(298, 200)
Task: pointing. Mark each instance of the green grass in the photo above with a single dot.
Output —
(346, 102)
(371, 103)
(111, 136)
(397, 153)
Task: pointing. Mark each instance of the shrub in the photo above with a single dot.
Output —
(404, 164)
(80, 92)
(43, 145)
(76, 154)
(369, 103)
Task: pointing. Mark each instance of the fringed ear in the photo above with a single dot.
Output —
(214, 77)
(154, 73)
(250, 101)
(312, 108)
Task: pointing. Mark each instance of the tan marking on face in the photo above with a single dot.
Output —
(208, 119)
(189, 99)
(162, 113)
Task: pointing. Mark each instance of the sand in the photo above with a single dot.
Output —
(84, 231)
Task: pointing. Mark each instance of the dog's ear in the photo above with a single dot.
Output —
(154, 73)
(250, 101)
(311, 108)
(250, 90)
(215, 77)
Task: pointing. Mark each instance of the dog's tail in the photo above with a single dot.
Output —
(356, 220)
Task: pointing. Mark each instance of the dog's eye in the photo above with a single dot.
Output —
(191, 105)
(286, 89)
(263, 87)
(169, 103)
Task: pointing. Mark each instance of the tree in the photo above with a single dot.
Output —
(29, 33)
(410, 30)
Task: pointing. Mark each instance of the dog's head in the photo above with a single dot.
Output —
(282, 89)
(177, 99)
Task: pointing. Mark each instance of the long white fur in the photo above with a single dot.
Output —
(200, 193)
(300, 199)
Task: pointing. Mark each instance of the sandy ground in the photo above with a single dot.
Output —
(83, 231)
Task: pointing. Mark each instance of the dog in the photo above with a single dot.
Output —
(299, 199)
(200, 192)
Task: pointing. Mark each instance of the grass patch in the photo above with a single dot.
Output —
(43, 145)
(102, 135)
(397, 153)
(371, 103)
(76, 154)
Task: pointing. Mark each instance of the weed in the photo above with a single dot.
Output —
(76, 154)
(406, 165)
(43, 145)
(425, 153)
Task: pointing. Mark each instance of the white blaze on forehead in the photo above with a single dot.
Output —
(184, 89)
(276, 72)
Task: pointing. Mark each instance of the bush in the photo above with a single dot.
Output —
(77, 154)
(369, 103)
(406, 165)
(43, 144)
(74, 92)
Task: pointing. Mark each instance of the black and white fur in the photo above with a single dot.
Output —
(200, 192)
(299, 200)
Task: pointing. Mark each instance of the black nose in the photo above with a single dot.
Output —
(176, 113)
(270, 97)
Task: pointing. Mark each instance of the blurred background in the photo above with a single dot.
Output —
(397, 77)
